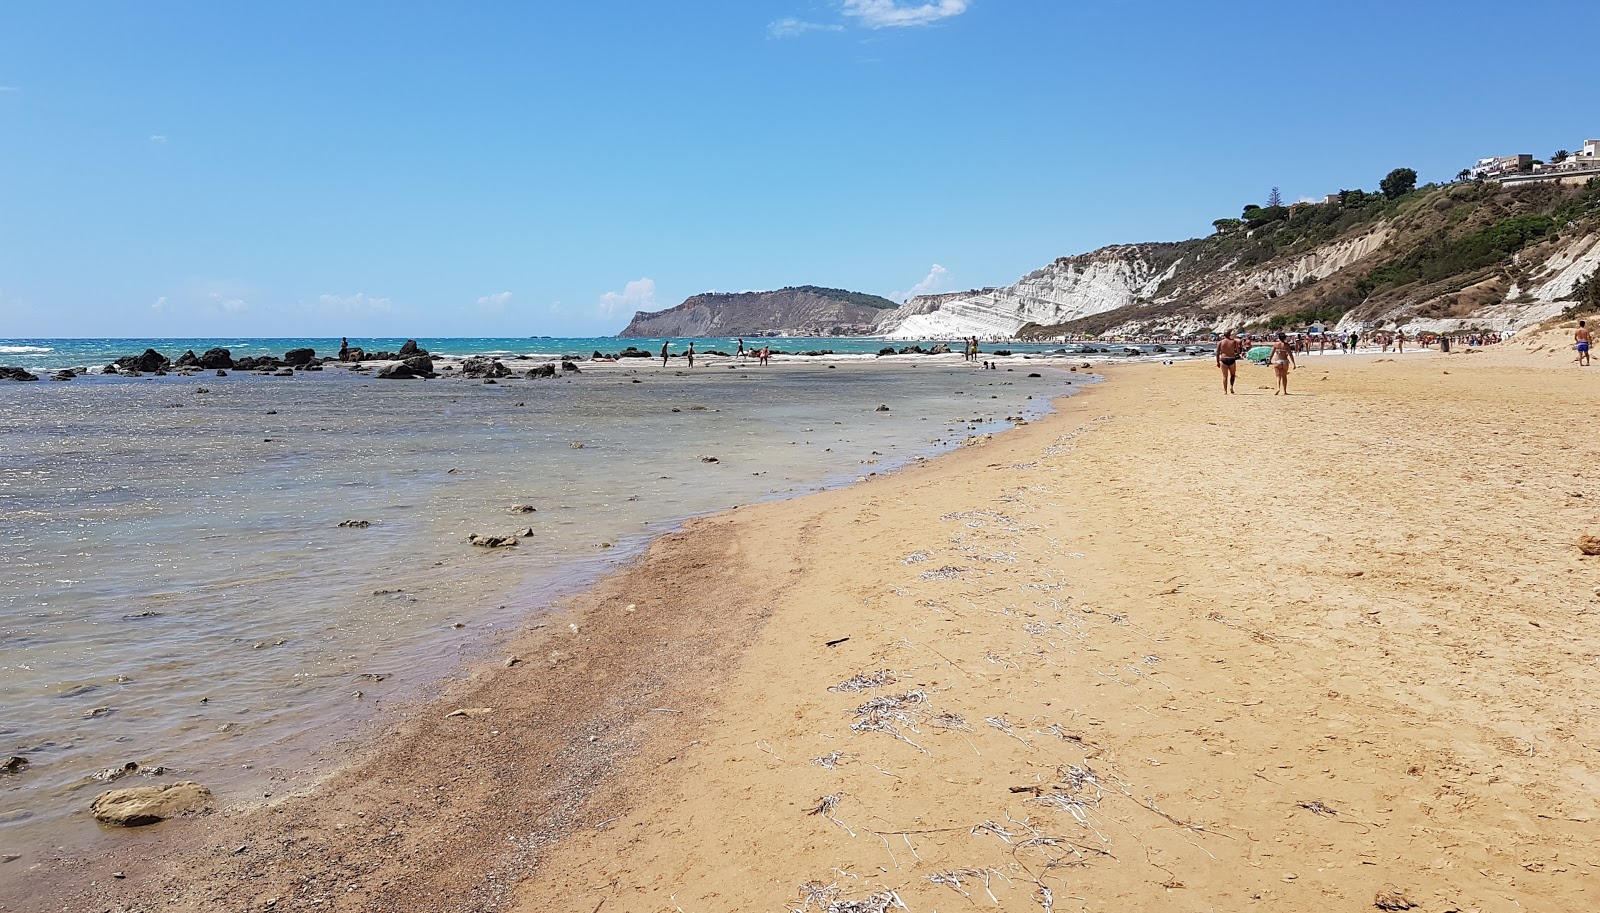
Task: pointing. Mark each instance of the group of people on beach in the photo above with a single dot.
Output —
(1230, 349)
(970, 348)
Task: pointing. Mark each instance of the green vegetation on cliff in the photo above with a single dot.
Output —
(1448, 250)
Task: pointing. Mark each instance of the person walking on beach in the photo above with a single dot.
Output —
(1228, 360)
(1581, 337)
(690, 354)
(664, 353)
(1355, 339)
(1281, 358)
(766, 353)
(1399, 342)
(740, 353)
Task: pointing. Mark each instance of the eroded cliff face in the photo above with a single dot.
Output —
(1067, 289)
(793, 312)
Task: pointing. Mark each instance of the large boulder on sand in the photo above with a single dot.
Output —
(411, 348)
(17, 374)
(296, 358)
(148, 804)
(478, 366)
(421, 364)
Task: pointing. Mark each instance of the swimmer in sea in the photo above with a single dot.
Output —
(1582, 338)
(1228, 360)
(1281, 358)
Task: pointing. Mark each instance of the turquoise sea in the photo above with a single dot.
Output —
(52, 354)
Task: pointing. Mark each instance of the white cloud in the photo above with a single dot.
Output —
(359, 303)
(937, 280)
(497, 301)
(791, 27)
(638, 295)
(879, 14)
(160, 304)
(228, 305)
(158, 139)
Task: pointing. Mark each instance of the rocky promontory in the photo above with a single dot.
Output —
(806, 310)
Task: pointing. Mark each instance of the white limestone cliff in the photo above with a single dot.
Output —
(1070, 288)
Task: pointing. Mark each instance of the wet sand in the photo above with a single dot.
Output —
(1162, 650)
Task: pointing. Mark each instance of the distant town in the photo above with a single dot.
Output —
(1521, 169)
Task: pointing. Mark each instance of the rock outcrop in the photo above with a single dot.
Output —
(801, 311)
(142, 805)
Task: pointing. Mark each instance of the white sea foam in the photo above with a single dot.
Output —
(25, 350)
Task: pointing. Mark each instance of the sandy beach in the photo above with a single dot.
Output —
(1160, 650)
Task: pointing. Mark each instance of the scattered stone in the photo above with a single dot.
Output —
(524, 509)
(116, 773)
(397, 371)
(64, 374)
(1392, 900)
(97, 712)
(709, 459)
(492, 541)
(20, 374)
(355, 524)
(1589, 545)
(470, 712)
(576, 445)
(881, 408)
(524, 532)
(1035, 375)
(13, 764)
(569, 367)
(148, 804)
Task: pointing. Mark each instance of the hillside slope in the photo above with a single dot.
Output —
(802, 311)
(1470, 255)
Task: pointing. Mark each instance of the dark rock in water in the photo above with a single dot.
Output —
(217, 358)
(940, 349)
(295, 358)
(109, 369)
(1041, 375)
(813, 353)
(1003, 353)
(523, 509)
(410, 349)
(478, 366)
(355, 524)
(422, 365)
(916, 350)
(258, 363)
(569, 366)
(596, 356)
(881, 408)
(544, 370)
(631, 352)
(151, 360)
(13, 764)
(16, 374)
(64, 374)
(886, 350)
(187, 360)
(492, 541)
(397, 371)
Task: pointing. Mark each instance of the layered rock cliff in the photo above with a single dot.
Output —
(802, 311)
(1461, 256)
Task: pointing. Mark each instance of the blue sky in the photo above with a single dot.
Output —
(547, 168)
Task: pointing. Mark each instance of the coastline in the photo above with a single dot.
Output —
(1069, 585)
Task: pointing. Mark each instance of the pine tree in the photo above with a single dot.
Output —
(1274, 198)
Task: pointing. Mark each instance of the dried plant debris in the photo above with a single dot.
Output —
(1316, 807)
(945, 719)
(916, 558)
(825, 807)
(954, 878)
(830, 761)
(866, 680)
(948, 572)
(890, 714)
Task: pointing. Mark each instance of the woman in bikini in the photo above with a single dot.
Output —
(1281, 358)
(1227, 359)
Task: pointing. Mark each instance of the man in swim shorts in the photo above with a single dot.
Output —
(1582, 338)
(1228, 352)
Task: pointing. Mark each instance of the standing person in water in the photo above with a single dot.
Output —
(1582, 338)
(664, 353)
(1228, 349)
(1281, 358)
